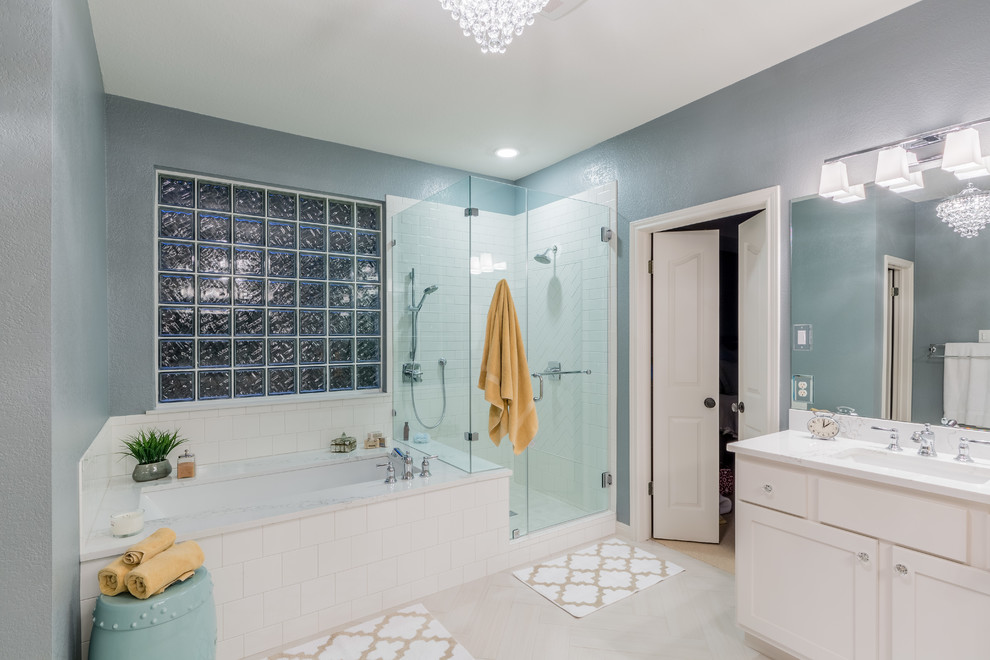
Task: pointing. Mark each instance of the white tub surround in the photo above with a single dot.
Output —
(846, 550)
(317, 559)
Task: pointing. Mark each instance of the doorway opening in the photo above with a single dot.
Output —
(898, 338)
(758, 318)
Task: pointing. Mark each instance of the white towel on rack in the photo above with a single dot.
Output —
(966, 384)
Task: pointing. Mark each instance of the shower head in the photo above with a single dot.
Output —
(543, 258)
(427, 291)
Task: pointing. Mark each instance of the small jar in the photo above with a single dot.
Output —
(186, 466)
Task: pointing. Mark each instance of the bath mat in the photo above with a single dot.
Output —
(409, 634)
(589, 579)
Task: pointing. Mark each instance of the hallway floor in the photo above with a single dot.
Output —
(720, 555)
(690, 616)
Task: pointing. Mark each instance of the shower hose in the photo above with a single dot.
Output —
(443, 388)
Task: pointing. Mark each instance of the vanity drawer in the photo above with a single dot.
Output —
(921, 523)
(772, 486)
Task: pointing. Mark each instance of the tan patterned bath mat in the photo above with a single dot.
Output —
(409, 634)
(589, 579)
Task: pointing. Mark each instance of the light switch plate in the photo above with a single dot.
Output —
(801, 337)
(984, 336)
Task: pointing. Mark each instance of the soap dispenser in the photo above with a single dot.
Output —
(186, 466)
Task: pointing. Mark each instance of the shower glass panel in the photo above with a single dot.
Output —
(549, 251)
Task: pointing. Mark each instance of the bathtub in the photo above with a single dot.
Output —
(242, 494)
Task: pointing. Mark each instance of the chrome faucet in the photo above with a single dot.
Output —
(407, 463)
(424, 469)
(927, 440)
(389, 471)
(894, 445)
(963, 455)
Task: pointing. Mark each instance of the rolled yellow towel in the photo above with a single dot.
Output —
(174, 565)
(155, 543)
(112, 577)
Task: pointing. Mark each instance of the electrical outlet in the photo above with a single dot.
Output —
(984, 336)
(802, 389)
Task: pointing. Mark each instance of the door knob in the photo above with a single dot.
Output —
(741, 407)
(709, 402)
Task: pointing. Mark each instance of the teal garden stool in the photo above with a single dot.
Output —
(180, 622)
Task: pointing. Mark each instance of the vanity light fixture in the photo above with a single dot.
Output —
(962, 155)
(893, 168)
(834, 180)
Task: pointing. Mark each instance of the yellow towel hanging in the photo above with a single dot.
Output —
(505, 375)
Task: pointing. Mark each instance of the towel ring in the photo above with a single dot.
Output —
(540, 376)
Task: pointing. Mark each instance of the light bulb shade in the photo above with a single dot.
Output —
(915, 182)
(486, 262)
(962, 152)
(475, 266)
(834, 181)
(856, 193)
(892, 168)
(976, 171)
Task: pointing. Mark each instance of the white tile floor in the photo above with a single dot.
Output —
(690, 616)
(543, 510)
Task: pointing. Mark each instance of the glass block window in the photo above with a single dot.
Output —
(265, 292)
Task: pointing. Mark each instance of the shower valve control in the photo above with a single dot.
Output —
(412, 373)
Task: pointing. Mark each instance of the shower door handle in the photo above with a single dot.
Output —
(540, 376)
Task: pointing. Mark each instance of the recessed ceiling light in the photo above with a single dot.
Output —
(506, 152)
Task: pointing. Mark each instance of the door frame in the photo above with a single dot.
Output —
(903, 324)
(640, 291)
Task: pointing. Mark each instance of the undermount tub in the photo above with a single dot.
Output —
(239, 495)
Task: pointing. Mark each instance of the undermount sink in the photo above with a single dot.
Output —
(911, 462)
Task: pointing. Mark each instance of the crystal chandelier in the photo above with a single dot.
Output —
(967, 212)
(493, 23)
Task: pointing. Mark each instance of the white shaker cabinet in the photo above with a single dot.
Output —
(834, 566)
(941, 609)
(809, 587)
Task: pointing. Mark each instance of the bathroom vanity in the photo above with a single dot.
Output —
(845, 550)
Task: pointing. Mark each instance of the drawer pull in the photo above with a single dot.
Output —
(900, 569)
(863, 557)
(768, 488)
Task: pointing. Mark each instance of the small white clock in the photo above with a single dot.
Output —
(823, 425)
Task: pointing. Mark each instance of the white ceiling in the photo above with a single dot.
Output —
(399, 77)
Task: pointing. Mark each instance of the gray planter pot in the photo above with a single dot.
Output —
(152, 471)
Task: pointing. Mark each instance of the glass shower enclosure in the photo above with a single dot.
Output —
(449, 253)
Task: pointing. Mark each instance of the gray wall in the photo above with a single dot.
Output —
(53, 293)
(835, 290)
(141, 136)
(874, 85)
(25, 328)
(79, 294)
(952, 301)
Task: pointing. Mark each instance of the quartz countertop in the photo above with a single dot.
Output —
(802, 449)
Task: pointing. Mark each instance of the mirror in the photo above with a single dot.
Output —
(856, 345)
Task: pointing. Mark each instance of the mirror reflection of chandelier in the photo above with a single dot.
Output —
(493, 23)
(967, 212)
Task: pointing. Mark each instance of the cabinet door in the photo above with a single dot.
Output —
(940, 609)
(808, 587)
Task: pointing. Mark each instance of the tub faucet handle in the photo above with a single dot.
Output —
(424, 470)
(389, 472)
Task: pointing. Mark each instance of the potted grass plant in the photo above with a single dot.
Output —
(151, 448)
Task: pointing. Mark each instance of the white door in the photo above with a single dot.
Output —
(940, 608)
(685, 386)
(755, 379)
(810, 587)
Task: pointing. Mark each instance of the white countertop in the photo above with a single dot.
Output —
(123, 494)
(802, 449)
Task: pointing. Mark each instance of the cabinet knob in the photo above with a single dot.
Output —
(863, 557)
(900, 569)
(768, 488)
